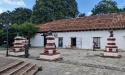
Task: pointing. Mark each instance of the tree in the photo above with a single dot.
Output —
(81, 14)
(28, 30)
(21, 15)
(49, 10)
(1, 32)
(122, 10)
(18, 16)
(104, 7)
(1, 36)
(5, 17)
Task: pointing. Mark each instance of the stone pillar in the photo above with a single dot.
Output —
(111, 50)
(50, 51)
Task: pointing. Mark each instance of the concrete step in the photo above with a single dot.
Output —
(24, 70)
(9, 66)
(32, 71)
(14, 69)
(19, 68)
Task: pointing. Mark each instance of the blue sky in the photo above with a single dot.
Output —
(84, 6)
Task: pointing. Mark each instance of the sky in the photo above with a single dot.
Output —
(84, 6)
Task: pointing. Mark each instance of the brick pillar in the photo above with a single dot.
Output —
(111, 45)
(111, 49)
(50, 47)
(19, 46)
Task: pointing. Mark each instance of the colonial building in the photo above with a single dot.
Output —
(84, 32)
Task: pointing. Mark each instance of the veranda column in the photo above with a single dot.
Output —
(50, 51)
(111, 50)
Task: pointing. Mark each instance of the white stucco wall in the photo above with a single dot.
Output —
(37, 41)
(84, 39)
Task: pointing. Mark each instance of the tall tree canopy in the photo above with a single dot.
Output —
(104, 7)
(5, 17)
(49, 10)
(21, 15)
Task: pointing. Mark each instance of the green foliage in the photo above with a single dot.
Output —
(122, 10)
(49, 10)
(16, 27)
(21, 15)
(2, 33)
(104, 7)
(5, 17)
(27, 30)
(18, 16)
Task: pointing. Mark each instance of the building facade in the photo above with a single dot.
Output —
(82, 39)
(84, 33)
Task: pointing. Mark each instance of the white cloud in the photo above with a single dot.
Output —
(1, 11)
(15, 2)
(89, 13)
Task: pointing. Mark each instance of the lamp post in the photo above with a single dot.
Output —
(7, 39)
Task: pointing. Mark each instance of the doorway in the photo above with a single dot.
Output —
(60, 42)
(96, 43)
(73, 42)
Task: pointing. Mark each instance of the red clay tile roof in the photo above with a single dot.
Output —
(104, 22)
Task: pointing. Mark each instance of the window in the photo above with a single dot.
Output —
(96, 42)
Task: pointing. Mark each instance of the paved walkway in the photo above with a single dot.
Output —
(77, 62)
